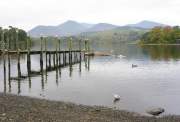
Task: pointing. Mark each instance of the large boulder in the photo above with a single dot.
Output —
(155, 111)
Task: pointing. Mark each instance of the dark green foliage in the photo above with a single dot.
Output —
(13, 38)
(162, 35)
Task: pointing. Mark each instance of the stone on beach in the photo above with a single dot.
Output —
(156, 111)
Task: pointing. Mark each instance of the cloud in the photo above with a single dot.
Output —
(27, 14)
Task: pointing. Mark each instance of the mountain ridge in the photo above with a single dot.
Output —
(72, 27)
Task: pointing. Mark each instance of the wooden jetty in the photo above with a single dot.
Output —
(51, 60)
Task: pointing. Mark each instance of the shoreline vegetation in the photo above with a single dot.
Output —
(20, 109)
(161, 36)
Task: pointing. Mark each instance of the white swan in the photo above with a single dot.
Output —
(120, 56)
(116, 97)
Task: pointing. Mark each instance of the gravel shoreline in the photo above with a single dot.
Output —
(25, 109)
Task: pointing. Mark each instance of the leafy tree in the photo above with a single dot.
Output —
(162, 35)
(13, 37)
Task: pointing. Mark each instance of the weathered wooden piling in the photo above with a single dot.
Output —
(59, 43)
(70, 50)
(29, 57)
(74, 57)
(45, 45)
(18, 56)
(54, 60)
(4, 59)
(41, 56)
(9, 65)
(49, 60)
(56, 52)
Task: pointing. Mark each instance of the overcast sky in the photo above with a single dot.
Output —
(28, 13)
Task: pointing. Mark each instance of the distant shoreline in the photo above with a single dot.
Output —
(160, 44)
(152, 44)
(21, 109)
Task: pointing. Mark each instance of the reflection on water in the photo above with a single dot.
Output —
(162, 52)
(155, 82)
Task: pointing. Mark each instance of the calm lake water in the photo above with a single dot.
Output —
(154, 83)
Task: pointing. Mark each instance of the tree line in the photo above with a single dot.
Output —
(13, 38)
(162, 35)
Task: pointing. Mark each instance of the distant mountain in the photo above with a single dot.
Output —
(69, 28)
(43, 30)
(87, 25)
(146, 24)
(65, 29)
(101, 27)
(116, 35)
(74, 28)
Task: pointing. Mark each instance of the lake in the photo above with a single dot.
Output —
(154, 83)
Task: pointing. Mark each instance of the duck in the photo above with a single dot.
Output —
(134, 65)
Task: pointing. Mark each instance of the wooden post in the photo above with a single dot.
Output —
(85, 45)
(59, 57)
(88, 63)
(70, 50)
(80, 67)
(18, 55)
(80, 50)
(49, 60)
(29, 56)
(4, 59)
(18, 65)
(29, 61)
(54, 61)
(57, 53)
(65, 58)
(9, 66)
(88, 44)
(41, 56)
(45, 44)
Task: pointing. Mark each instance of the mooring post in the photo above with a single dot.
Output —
(18, 54)
(49, 60)
(70, 50)
(54, 61)
(45, 44)
(80, 50)
(59, 43)
(9, 65)
(29, 61)
(63, 52)
(4, 58)
(29, 56)
(56, 51)
(85, 45)
(65, 57)
(41, 56)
